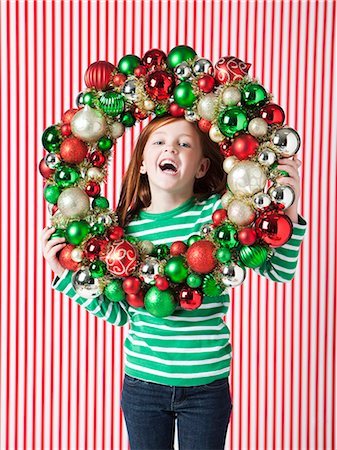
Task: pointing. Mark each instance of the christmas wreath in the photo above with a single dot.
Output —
(236, 111)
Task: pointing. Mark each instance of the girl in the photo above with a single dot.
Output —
(176, 366)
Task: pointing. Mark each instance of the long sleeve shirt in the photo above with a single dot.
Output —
(187, 348)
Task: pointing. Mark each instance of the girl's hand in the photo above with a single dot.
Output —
(51, 248)
(293, 180)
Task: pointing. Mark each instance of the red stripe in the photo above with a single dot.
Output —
(9, 231)
(1, 213)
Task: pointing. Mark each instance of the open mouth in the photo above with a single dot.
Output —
(168, 166)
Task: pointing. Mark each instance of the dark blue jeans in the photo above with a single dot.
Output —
(202, 413)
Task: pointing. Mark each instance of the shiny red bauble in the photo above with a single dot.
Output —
(66, 129)
(99, 74)
(73, 150)
(115, 233)
(178, 248)
(119, 79)
(140, 71)
(93, 189)
(65, 258)
(94, 248)
(204, 125)
(159, 84)
(200, 256)
(54, 209)
(45, 171)
(97, 158)
(190, 298)
(175, 110)
(206, 83)
(162, 283)
(244, 146)
(153, 58)
(247, 236)
(131, 285)
(219, 216)
(121, 258)
(138, 114)
(68, 115)
(273, 114)
(230, 68)
(274, 228)
(225, 147)
(136, 300)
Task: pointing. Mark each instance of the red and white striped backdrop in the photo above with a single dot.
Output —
(61, 368)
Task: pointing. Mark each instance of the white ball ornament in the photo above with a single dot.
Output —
(215, 134)
(73, 203)
(246, 178)
(226, 199)
(207, 107)
(233, 275)
(88, 124)
(94, 173)
(77, 254)
(258, 127)
(240, 213)
(229, 163)
(149, 105)
(117, 130)
(231, 96)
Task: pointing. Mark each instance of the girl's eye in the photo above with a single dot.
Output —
(158, 142)
(185, 143)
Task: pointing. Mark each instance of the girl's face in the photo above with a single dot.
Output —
(173, 158)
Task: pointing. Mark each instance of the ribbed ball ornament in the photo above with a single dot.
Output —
(253, 256)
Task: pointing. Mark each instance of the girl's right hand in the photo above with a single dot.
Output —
(51, 248)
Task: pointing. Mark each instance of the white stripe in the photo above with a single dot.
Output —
(175, 349)
(175, 329)
(286, 258)
(283, 269)
(177, 318)
(179, 337)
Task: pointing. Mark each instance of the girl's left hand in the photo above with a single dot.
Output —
(293, 180)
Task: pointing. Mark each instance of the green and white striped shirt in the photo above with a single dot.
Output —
(187, 348)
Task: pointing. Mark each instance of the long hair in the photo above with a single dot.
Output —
(135, 191)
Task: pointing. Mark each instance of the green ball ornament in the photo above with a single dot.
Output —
(176, 269)
(58, 233)
(132, 239)
(192, 239)
(114, 291)
(66, 176)
(210, 287)
(254, 94)
(226, 235)
(100, 203)
(112, 103)
(183, 94)
(104, 143)
(128, 63)
(179, 54)
(162, 251)
(51, 139)
(159, 303)
(194, 280)
(51, 193)
(97, 269)
(77, 231)
(97, 229)
(223, 254)
(232, 120)
(160, 110)
(89, 99)
(253, 256)
(127, 119)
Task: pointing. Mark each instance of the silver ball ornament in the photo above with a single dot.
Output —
(149, 269)
(233, 275)
(258, 127)
(88, 124)
(202, 66)
(231, 96)
(104, 219)
(52, 160)
(85, 285)
(73, 203)
(267, 157)
(129, 90)
(261, 200)
(246, 178)
(287, 140)
(206, 229)
(282, 194)
(191, 116)
(183, 71)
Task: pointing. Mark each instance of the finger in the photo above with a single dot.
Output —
(53, 251)
(50, 244)
(291, 171)
(47, 232)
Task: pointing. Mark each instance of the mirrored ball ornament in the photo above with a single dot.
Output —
(202, 66)
(240, 213)
(52, 160)
(104, 219)
(85, 285)
(88, 124)
(246, 178)
(267, 157)
(149, 269)
(191, 116)
(231, 96)
(233, 275)
(282, 195)
(287, 140)
(73, 203)
(261, 200)
(183, 71)
(258, 127)
(129, 90)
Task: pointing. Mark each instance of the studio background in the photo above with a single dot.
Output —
(60, 367)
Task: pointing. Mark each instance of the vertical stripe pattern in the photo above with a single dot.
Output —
(61, 369)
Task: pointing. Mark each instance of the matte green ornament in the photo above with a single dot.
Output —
(232, 120)
(97, 269)
(223, 254)
(183, 94)
(128, 63)
(58, 233)
(51, 139)
(162, 251)
(77, 231)
(176, 269)
(66, 176)
(253, 256)
(253, 94)
(210, 286)
(112, 103)
(179, 54)
(194, 280)
(159, 303)
(104, 143)
(100, 203)
(51, 193)
(127, 119)
(97, 229)
(89, 99)
(160, 110)
(225, 235)
(114, 291)
(192, 239)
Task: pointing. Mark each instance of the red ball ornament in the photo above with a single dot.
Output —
(66, 130)
(73, 150)
(115, 233)
(274, 228)
(230, 68)
(247, 236)
(244, 146)
(119, 79)
(225, 147)
(190, 299)
(219, 216)
(159, 84)
(97, 158)
(65, 258)
(161, 282)
(99, 75)
(154, 58)
(93, 248)
(68, 115)
(54, 209)
(131, 285)
(204, 125)
(122, 258)
(175, 110)
(178, 248)
(272, 114)
(200, 256)
(140, 71)
(136, 300)
(93, 189)
(45, 171)
(138, 114)
(206, 83)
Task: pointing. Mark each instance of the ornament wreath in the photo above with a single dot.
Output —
(236, 111)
